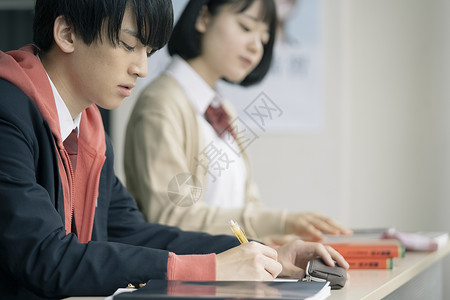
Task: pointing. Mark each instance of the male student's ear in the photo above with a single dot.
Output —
(64, 35)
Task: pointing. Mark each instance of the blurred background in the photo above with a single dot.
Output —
(379, 152)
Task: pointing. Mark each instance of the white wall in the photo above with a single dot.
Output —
(380, 157)
(441, 93)
(383, 158)
(391, 134)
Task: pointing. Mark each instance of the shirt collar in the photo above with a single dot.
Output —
(66, 123)
(198, 91)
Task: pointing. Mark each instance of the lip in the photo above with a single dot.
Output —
(246, 62)
(125, 90)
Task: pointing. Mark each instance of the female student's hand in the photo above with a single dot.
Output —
(311, 226)
(249, 261)
(295, 255)
(278, 239)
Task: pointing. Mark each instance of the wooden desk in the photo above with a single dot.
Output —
(416, 276)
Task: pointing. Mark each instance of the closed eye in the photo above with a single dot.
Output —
(244, 27)
(127, 47)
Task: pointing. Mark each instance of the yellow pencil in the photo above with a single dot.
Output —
(238, 232)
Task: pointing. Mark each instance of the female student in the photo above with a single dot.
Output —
(68, 227)
(183, 162)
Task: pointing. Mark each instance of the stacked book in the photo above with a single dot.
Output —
(370, 254)
(376, 248)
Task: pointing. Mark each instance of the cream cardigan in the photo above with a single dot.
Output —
(163, 140)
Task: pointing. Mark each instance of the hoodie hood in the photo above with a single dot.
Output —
(80, 188)
(23, 69)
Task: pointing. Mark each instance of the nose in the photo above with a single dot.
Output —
(255, 44)
(139, 65)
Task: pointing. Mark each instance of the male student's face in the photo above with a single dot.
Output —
(104, 74)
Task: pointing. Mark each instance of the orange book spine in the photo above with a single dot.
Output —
(370, 263)
(370, 251)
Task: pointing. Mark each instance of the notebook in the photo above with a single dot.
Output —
(174, 289)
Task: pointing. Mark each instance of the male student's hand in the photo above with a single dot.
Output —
(295, 255)
(311, 226)
(249, 261)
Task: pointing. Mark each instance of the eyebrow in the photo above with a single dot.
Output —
(130, 32)
(256, 19)
(252, 17)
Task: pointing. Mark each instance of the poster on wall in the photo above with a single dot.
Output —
(289, 99)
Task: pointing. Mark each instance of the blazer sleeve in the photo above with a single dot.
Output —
(36, 254)
(162, 141)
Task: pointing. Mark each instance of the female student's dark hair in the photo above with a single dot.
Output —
(88, 22)
(185, 40)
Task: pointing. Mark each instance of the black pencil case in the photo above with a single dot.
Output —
(317, 270)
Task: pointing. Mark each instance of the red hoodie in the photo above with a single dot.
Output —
(24, 69)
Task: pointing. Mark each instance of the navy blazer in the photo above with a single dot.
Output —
(37, 258)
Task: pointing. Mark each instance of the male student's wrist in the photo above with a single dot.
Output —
(191, 267)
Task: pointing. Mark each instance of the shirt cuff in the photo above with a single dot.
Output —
(191, 267)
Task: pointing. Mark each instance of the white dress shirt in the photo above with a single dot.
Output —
(66, 123)
(227, 174)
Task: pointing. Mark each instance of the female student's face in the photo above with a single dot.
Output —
(232, 43)
(104, 74)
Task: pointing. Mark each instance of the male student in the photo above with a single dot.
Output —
(67, 225)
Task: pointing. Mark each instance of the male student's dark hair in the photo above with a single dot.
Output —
(88, 22)
(185, 40)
